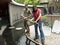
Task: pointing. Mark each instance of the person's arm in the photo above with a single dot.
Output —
(30, 15)
(39, 16)
(22, 14)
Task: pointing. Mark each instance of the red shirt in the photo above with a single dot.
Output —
(36, 14)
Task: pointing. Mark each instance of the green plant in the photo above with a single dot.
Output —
(27, 1)
(20, 1)
(44, 17)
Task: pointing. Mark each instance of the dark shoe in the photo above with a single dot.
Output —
(37, 40)
(43, 42)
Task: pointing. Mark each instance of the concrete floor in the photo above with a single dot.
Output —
(50, 38)
(53, 39)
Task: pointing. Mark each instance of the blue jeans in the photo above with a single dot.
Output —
(40, 29)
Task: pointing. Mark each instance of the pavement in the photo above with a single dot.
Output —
(50, 38)
(53, 39)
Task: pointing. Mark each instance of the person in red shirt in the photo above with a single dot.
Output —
(37, 14)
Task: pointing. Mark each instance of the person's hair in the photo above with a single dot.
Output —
(34, 7)
(26, 4)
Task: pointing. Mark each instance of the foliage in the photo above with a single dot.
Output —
(47, 24)
(28, 1)
(44, 17)
(44, 21)
(20, 1)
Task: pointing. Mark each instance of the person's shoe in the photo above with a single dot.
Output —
(43, 42)
(37, 40)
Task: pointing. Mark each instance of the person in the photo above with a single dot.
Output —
(26, 13)
(37, 14)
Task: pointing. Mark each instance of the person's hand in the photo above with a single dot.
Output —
(25, 17)
(35, 22)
